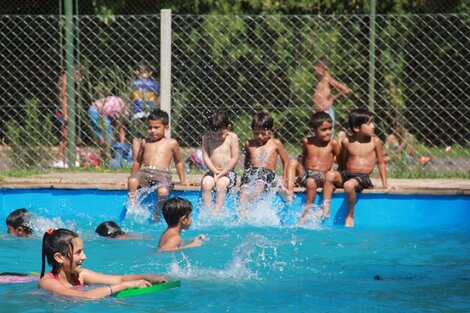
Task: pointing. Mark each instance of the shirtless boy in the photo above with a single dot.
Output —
(261, 155)
(359, 153)
(178, 214)
(220, 151)
(323, 98)
(318, 154)
(152, 163)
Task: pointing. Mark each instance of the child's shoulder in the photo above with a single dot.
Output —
(232, 134)
(376, 140)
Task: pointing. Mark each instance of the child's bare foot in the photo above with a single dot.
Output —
(349, 221)
(289, 197)
(131, 202)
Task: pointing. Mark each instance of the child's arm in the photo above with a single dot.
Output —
(176, 243)
(343, 90)
(336, 151)
(206, 157)
(179, 163)
(343, 157)
(234, 155)
(247, 162)
(115, 283)
(92, 278)
(304, 150)
(381, 162)
(137, 162)
(284, 158)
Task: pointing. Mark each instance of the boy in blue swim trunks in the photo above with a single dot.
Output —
(359, 154)
(318, 155)
(261, 155)
(323, 98)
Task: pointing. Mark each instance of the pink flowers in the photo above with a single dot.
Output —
(112, 107)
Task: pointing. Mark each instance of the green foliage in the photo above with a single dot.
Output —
(30, 137)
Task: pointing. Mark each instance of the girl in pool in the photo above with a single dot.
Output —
(64, 251)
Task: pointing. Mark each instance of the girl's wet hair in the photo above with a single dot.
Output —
(175, 208)
(53, 241)
(358, 117)
(218, 120)
(318, 118)
(159, 115)
(109, 229)
(262, 121)
(20, 218)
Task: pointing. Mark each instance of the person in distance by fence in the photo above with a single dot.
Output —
(323, 98)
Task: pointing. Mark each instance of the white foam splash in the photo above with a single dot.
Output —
(252, 256)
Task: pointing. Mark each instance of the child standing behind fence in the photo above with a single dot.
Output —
(62, 116)
(359, 153)
(145, 97)
(323, 98)
(220, 150)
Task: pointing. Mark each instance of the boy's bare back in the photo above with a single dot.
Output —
(263, 156)
(361, 154)
(221, 151)
(319, 155)
(170, 240)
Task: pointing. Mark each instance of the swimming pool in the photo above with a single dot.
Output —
(417, 243)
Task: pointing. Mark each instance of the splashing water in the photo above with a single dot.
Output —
(255, 254)
(142, 210)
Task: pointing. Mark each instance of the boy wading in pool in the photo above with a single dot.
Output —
(152, 163)
(318, 155)
(178, 214)
(359, 153)
(261, 155)
(220, 150)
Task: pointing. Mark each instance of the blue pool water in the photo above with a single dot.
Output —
(418, 244)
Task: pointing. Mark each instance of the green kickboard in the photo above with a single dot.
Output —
(143, 291)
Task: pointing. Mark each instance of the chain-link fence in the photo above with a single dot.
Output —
(244, 64)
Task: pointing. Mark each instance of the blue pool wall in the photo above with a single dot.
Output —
(372, 209)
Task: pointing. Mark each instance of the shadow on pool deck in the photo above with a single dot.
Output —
(118, 181)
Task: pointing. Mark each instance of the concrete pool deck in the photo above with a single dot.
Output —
(118, 181)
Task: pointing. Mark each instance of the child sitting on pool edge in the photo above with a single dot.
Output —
(19, 223)
(318, 154)
(261, 153)
(64, 251)
(359, 154)
(152, 164)
(178, 214)
(220, 150)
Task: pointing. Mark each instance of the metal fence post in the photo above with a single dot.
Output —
(165, 63)
(372, 56)
(69, 63)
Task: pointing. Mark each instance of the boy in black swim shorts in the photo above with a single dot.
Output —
(359, 154)
(261, 155)
(220, 151)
